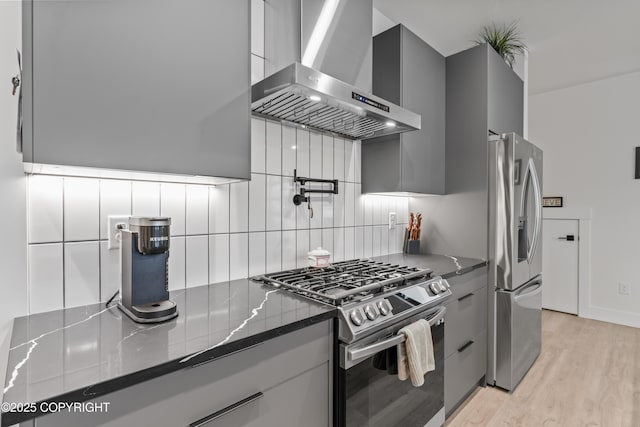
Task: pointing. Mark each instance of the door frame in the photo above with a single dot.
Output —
(583, 216)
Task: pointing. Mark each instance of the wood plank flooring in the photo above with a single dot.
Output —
(588, 374)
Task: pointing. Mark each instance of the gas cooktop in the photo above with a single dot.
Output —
(369, 294)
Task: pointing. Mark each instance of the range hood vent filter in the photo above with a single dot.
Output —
(308, 98)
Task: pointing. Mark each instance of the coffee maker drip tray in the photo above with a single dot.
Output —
(152, 312)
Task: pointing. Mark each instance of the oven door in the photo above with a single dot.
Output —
(369, 396)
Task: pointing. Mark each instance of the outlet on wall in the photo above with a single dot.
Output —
(393, 220)
(623, 288)
(116, 223)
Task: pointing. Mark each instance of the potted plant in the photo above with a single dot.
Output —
(505, 39)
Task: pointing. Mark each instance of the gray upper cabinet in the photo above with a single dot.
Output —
(505, 96)
(157, 86)
(409, 72)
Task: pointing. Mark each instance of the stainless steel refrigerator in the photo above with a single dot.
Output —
(515, 258)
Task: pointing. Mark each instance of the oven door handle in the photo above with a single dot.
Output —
(370, 350)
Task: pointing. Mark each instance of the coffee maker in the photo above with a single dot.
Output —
(145, 283)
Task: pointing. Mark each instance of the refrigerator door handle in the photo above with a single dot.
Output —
(530, 289)
(537, 194)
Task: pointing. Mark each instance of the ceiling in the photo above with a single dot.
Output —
(570, 41)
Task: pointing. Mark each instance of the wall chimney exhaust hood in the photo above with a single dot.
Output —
(318, 62)
(308, 98)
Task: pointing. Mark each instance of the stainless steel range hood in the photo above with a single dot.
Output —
(318, 62)
(309, 98)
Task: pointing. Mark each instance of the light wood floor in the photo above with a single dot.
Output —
(588, 374)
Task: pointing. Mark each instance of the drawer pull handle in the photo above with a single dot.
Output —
(225, 411)
(465, 297)
(464, 347)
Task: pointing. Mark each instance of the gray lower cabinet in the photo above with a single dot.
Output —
(410, 73)
(286, 381)
(465, 362)
(156, 86)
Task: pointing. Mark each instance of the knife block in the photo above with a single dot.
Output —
(413, 247)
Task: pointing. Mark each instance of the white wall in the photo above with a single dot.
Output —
(13, 276)
(589, 133)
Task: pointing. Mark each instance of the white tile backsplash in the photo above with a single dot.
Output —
(302, 248)
(81, 273)
(274, 148)
(197, 218)
(46, 277)
(238, 256)
(327, 239)
(173, 204)
(289, 150)
(177, 257)
(274, 251)
(315, 238)
(302, 152)
(274, 203)
(196, 260)
(288, 208)
(257, 202)
(115, 199)
(145, 198)
(257, 68)
(219, 209)
(315, 155)
(219, 258)
(110, 269)
(289, 249)
(349, 242)
(258, 145)
(338, 244)
(257, 253)
(81, 209)
(239, 207)
(349, 162)
(218, 233)
(338, 159)
(45, 209)
(257, 27)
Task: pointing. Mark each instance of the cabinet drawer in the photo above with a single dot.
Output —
(300, 401)
(463, 369)
(465, 283)
(184, 396)
(466, 318)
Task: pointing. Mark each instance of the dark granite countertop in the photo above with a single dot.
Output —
(442, 265)
(77, 354)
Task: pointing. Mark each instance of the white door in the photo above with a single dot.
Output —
(560, 265)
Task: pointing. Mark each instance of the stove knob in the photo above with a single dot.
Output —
(371, 312)
(442, 287)
(383, 307)
(435, 288)
(356, 317)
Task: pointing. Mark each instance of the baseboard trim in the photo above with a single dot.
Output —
(626, 318)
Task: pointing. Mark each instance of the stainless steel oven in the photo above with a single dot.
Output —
(374, 300)
(369, 395)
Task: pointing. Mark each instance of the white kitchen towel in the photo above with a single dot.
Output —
(415, 354)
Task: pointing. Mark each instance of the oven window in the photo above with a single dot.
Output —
(375, 397)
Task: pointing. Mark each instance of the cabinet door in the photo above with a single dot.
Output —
(423, 91)
(143, 85)
(505, 97)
